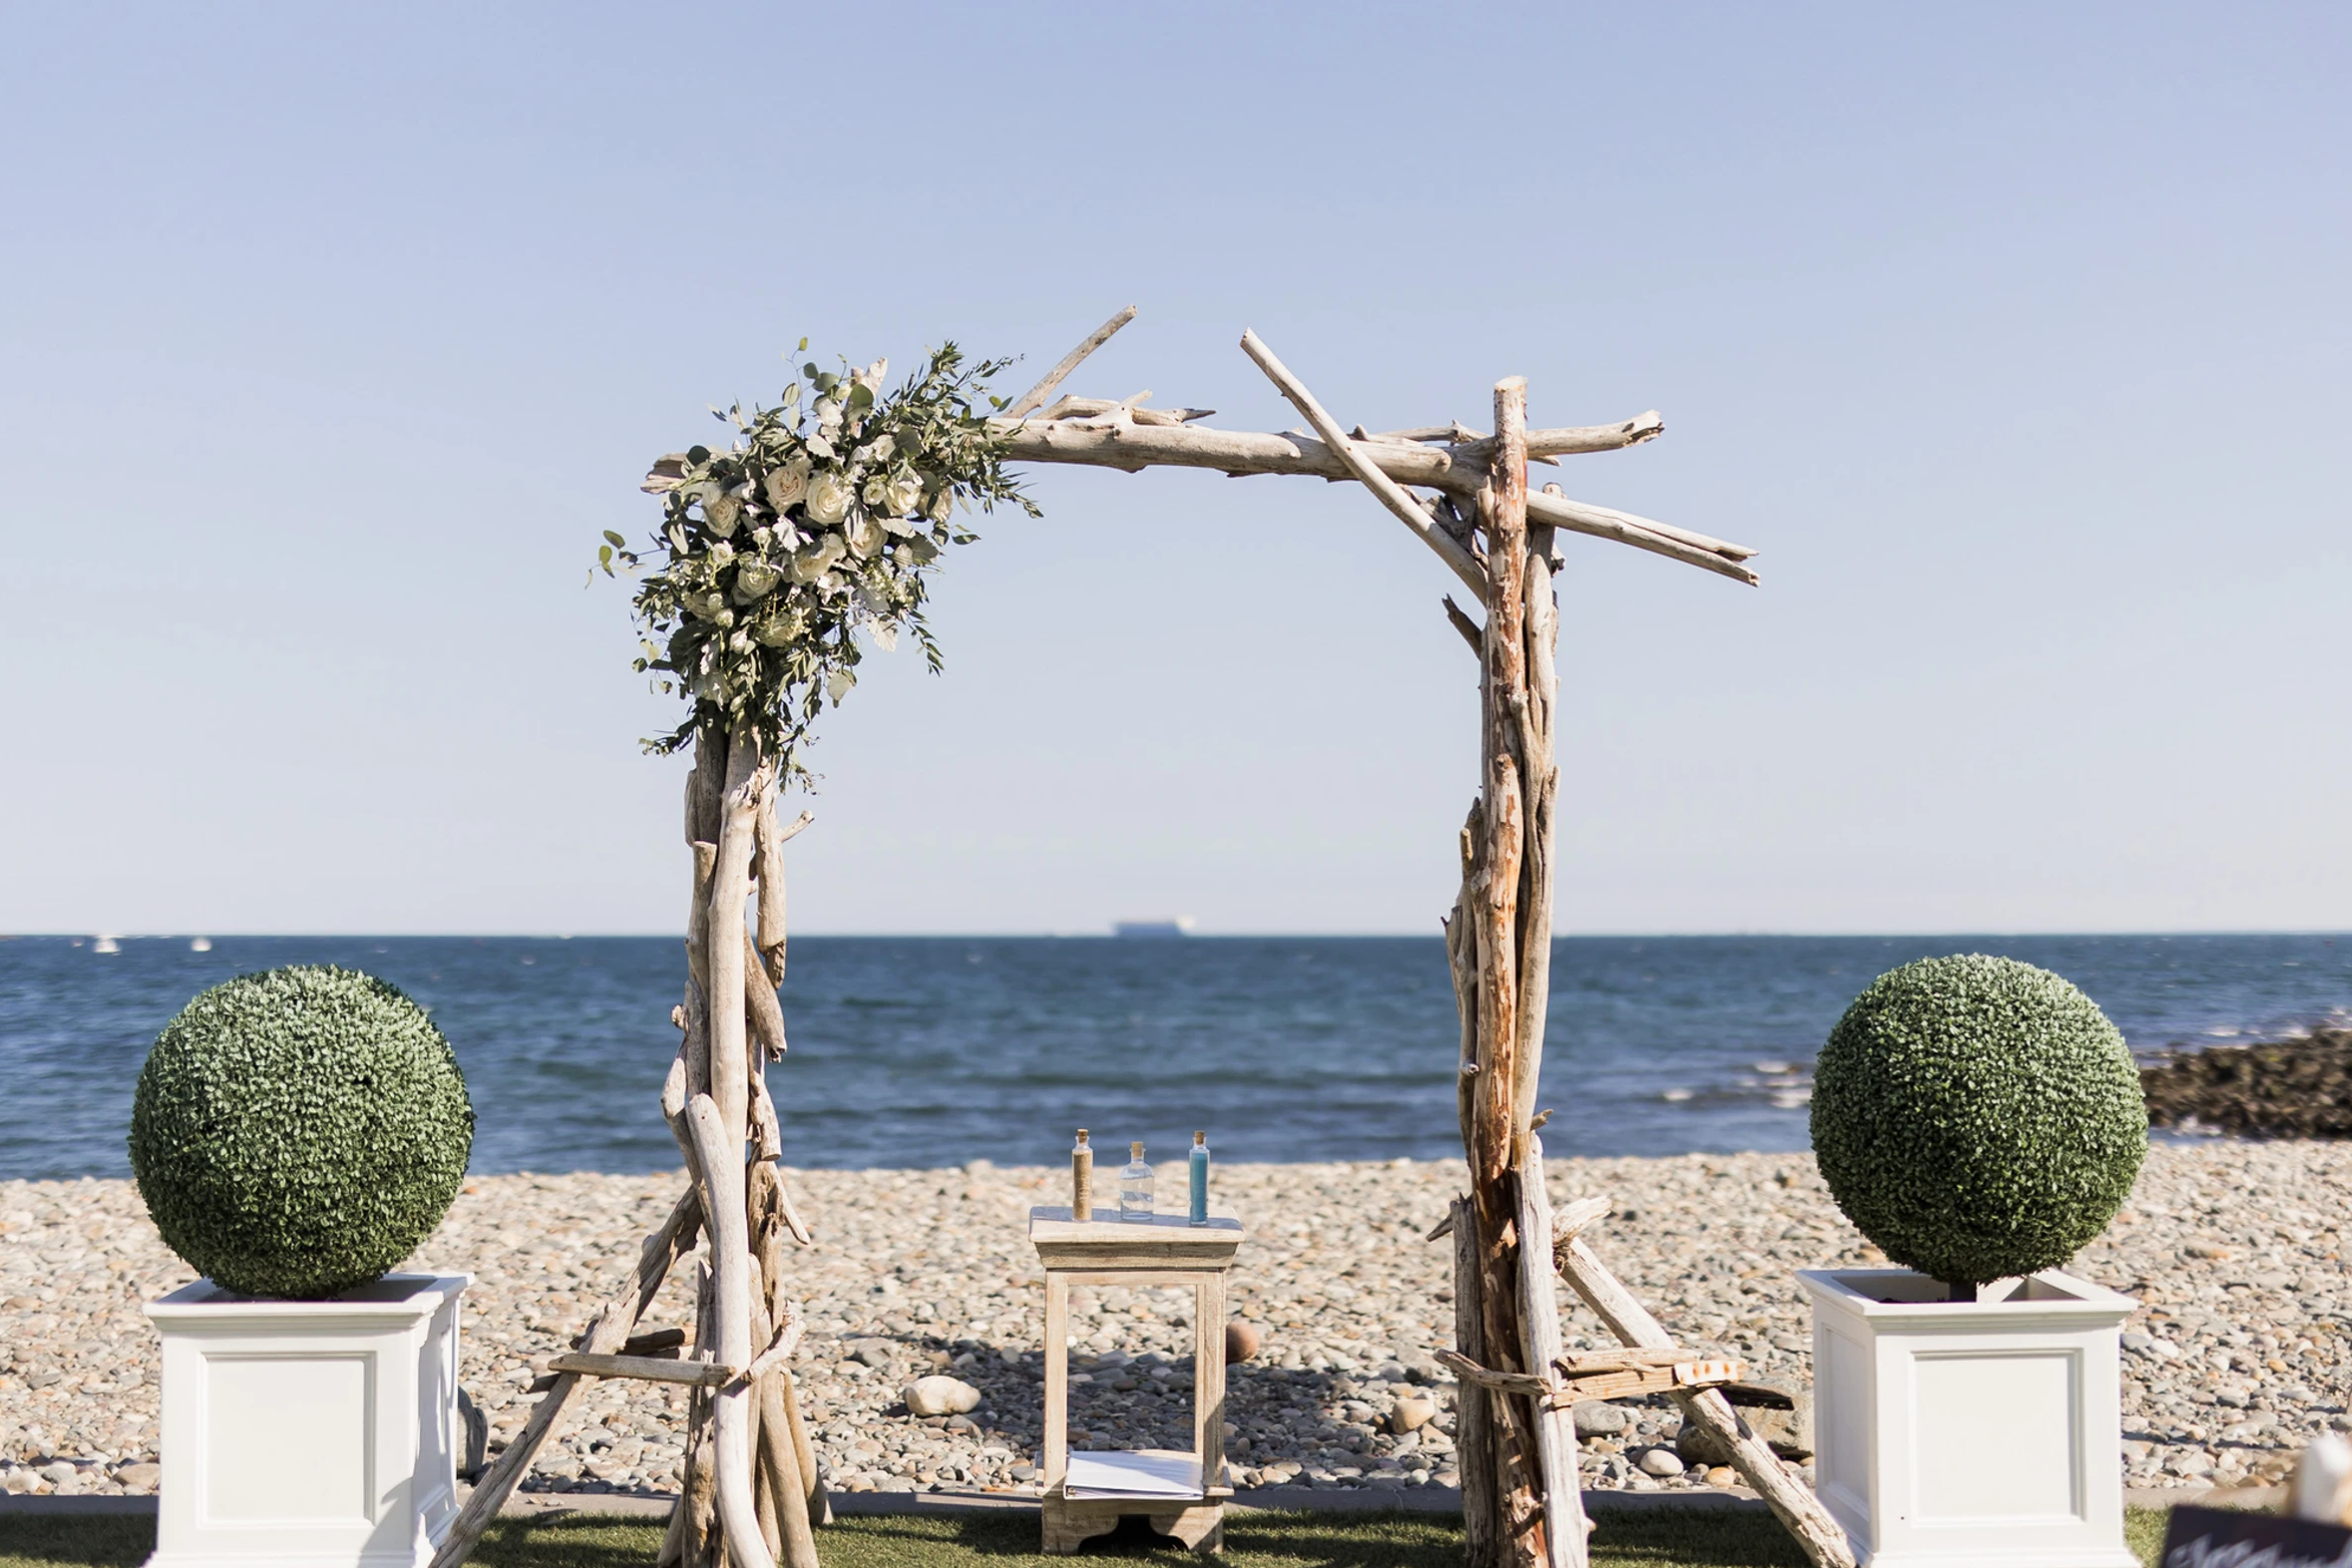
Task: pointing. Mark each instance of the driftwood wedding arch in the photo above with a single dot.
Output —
(752, 1493)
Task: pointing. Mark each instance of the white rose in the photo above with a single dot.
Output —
(778, 631)
(755, 580)
(828, 498)
(813, 560)
(876, 489)
(788, 484)
(723, 513)
(864, 536)
(882, 446)
(942, 504)
(906, 494)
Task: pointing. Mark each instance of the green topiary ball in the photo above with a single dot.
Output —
(300, 1132)
(1978, 1119)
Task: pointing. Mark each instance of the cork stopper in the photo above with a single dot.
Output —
(1136, 1149)
(1199, 1138)
(1082, 1136)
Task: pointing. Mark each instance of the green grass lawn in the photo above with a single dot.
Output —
(1649, 1538)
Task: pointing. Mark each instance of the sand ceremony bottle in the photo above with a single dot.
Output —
(1135, 1187)
(1200, 1178)
(1083, 1180)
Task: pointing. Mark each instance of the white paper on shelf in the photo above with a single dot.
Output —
(1130, 1474)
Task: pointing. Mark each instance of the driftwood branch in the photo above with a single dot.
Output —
(1520, 1384)
(1240, 452)
(1465, 625)
(1131, 408)
(645, 1369)
(1539, 1329)
(671, 1240)
(1391, 494)
(1035, 398)
(1820, 1536)
(779, 1348)
(718, 1157)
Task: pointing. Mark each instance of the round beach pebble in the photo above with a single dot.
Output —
(941, 1395)
(1410, 1412)
(1662, 1463)
(1242, 1340)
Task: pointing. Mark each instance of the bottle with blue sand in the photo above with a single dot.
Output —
(1200, 1178)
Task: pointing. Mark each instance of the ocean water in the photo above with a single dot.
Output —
(933, 1052)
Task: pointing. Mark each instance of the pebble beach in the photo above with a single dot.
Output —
(2237, 1355)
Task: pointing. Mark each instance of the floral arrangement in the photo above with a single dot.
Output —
(813, 525)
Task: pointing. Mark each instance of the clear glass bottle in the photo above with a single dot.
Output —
(1082, 1179)
(1200, 1179)
(1135, 1187)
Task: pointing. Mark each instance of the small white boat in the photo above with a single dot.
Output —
(201, 944)
(106, 944)
(1181, 926)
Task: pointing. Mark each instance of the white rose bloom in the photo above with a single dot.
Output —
(788, 484)
(883, 446)
(864, 536)
(813, 560)
(778, 631)
(876, 489)
(723, 513)
(906, 494)
(755, 580)
(942, 505)
(828, 500)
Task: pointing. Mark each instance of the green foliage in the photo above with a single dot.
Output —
(1978, 1119)
(298, 1132)
(814, 524)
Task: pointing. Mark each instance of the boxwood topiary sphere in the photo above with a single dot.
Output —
(300, 1132)
(1978, 1119)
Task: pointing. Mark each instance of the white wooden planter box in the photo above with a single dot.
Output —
(308, 1434)
(1979, 1432)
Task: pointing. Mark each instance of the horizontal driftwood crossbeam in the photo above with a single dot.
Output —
(1601, 1374)
(645, 1368)
(1459, 470)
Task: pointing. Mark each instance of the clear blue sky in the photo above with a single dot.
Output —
(2016, 337)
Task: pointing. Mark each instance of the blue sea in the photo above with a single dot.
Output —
(932, 1051)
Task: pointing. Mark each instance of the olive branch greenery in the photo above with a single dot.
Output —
(815, 523)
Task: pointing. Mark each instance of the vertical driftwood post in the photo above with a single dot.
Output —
(1518, 1469)
(1474, 1430)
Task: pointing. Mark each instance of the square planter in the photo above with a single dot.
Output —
(1982, 1432)
(308, 1434)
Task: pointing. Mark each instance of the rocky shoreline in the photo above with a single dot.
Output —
(2291, 1088)
(2237, 1354)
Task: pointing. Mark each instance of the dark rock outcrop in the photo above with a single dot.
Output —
(2292, 1089)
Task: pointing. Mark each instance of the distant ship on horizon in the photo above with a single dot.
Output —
(1181, 926)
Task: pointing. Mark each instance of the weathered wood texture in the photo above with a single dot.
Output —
(1362, 467)
(607, 1332)
(1540, 1320)
(1472, 1423)
(1134, 447)
(1818, 1534)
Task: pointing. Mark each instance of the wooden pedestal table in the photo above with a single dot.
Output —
(1185, 1493)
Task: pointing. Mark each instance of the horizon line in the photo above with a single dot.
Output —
(1105, 934)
